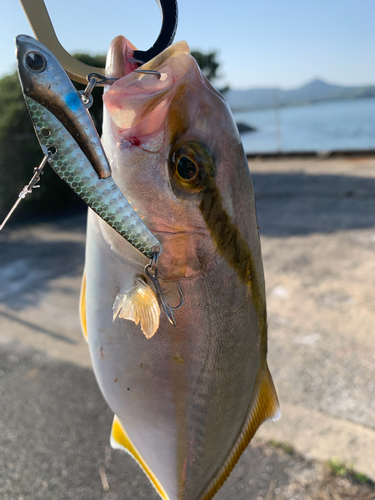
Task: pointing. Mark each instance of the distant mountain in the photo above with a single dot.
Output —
(314, 91)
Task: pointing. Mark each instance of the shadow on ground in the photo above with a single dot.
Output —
(293, 204)
(28, 264)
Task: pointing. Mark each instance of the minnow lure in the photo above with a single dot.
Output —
(67, 134)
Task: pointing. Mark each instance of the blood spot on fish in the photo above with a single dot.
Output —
(178, 359)
(135, 141)
(116, 380)
(101, 352)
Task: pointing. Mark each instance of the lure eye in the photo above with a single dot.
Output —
(35, 62)
(186, 168)
(191, 165)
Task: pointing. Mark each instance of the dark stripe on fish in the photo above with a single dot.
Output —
(232, 246)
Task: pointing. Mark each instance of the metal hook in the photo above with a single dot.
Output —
(100, 80)
(155, 281)
(86, 96)
(148, 72)
(40, 22)
(97, 80)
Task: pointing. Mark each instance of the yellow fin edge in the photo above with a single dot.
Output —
(264, 406)
(121, 440)
(82, 307)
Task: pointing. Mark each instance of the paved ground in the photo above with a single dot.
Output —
(317, 222)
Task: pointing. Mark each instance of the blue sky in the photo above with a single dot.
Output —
(259, 42)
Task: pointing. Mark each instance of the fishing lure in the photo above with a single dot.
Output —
(68, 136)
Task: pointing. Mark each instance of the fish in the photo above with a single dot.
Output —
(187, 398)
(68, 137)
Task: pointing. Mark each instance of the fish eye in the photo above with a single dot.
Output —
(191, 165)
(35, 62)
(186, 168)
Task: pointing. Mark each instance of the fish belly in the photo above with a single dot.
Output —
(184, 396)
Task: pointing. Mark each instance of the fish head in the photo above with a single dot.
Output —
(174, 151)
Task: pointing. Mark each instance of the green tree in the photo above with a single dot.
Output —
(207, 63)
(20, 151)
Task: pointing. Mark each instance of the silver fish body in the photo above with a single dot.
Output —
(188, 400)
(64, 126)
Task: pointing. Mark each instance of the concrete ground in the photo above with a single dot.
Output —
(317, 220)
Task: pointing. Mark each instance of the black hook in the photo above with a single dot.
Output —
(169, 14)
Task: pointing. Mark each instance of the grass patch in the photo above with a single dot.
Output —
(339, 468)
(283, 446)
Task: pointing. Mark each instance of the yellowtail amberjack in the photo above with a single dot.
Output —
(187, 399)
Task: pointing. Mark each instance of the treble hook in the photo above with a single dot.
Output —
(155, 281)
(40, 22)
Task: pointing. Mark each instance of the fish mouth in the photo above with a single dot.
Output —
(120, 60)
(138, 102)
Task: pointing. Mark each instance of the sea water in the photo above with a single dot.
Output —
(324, 126)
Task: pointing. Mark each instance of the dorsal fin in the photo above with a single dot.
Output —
(120, 440)
(264, 406)
(82, 307)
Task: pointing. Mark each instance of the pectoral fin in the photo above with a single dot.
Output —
(264, 406)
(139, 304)
(82, 307)
(120, 440)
